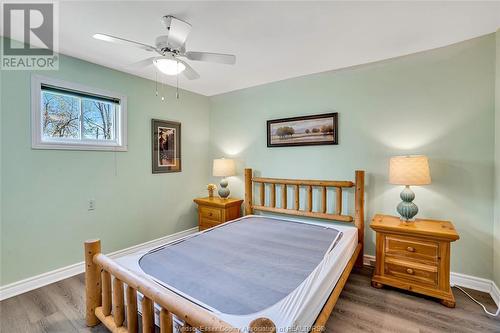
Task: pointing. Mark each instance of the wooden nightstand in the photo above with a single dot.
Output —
(214, 211)
(414, 256)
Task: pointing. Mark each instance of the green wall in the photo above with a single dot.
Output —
(496, 257)
(439, 103)
(45, 192)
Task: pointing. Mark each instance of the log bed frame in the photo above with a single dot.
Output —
(105, 296)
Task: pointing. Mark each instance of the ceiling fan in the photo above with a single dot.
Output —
(171, 48)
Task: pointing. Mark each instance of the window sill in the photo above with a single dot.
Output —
(55, 146)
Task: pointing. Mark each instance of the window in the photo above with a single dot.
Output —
(71, 116)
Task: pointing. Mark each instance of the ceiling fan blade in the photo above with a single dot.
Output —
(189, 72)
(178, 31)
(220, 58)
(123, 41)
(143, 63)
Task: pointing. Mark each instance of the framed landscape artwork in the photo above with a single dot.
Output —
(321, 129)
(166, 146)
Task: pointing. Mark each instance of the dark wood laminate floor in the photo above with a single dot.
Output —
(59, 307)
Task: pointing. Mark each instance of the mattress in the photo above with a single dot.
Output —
(256, 266)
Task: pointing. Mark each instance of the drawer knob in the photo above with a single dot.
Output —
(409, 271)
(210, 214)
(410, 249)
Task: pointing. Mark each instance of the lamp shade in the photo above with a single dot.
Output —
(224, 167)
(409, 170)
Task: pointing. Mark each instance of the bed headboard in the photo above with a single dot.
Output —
(275, 184)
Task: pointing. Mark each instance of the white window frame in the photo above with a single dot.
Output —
(37, 141)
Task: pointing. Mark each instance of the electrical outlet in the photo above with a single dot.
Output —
(91, 204)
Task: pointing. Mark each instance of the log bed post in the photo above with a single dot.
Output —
(309, 205)
(284, 200)
(132, 324)
(165, 321)
(248, 192)
(359, 215)
(338, 200)
(323, 199)
(273, 195)
(118, 302)
(148, 315)
(296, 198)
(262, 325)
(92, 282)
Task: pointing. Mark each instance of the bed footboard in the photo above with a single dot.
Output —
(111, 291)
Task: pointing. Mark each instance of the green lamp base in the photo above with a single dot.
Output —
(406, 208)
(223, 189)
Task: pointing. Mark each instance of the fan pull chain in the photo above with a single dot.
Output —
(156, 82)
(177, 79)
(164, 90)
(156, 86)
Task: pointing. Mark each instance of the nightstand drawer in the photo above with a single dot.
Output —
(210, 213)
(206, 223)
(411, 248)
(401, 269)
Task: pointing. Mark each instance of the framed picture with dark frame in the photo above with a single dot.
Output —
(166, 146)
(320, 129)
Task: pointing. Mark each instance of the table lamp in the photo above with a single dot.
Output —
(408, 170)
(223, 168)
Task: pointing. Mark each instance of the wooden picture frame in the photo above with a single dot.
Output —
(313, 130)
(165, 146)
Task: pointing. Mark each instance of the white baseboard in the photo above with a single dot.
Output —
(463, 280)
(495, 293)
(471, 282)
(22, 286)
(369, 260)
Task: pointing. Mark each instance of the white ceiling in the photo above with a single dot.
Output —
(272, 40)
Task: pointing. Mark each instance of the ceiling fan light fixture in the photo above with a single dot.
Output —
(169, 66)
(170, 49)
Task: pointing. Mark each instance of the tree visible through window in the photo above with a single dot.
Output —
(61, 116)
(70, 116)
(98, 119)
